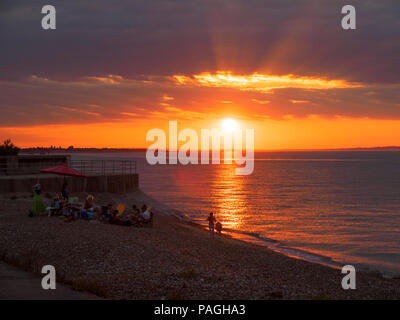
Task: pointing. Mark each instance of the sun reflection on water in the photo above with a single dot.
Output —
(229, 197)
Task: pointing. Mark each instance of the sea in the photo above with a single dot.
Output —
(330, 207)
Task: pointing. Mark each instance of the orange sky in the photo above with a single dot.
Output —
(287, 120)
(283, 68)
(291, 133)
(286, 111)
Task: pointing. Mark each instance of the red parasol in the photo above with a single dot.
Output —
(63, 170)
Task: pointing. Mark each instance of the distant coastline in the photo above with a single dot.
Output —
(385, 148)
(78, 150)
(46, 150)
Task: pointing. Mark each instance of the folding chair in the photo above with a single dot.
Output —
(120, 208)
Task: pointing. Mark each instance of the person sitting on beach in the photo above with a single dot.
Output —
(211, 222)
(88, 202)
(218, 227)
(113, 219)
(131, 215)
(135, 209)
(67, 212)
(110, 212)
(106, 213)
(89, 211)
(146, 216)
(55, 207)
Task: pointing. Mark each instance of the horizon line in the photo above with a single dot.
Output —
(385, 148)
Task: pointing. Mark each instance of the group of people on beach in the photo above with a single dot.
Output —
(109, 214)
(62, 206)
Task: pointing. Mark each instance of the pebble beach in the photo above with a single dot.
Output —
(175, 259)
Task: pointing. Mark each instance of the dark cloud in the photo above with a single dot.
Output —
(170, 36)
(149, 40)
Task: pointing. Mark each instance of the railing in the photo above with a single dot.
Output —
(104, 167)
(27, 165)
(87, 167)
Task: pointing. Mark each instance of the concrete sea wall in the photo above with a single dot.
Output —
(53, 183)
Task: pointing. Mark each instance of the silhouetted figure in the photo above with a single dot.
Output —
(211, 222)
(38, 206)
(64, 191)
(218, 227)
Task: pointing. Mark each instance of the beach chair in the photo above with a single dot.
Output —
(54, 209)
(73, 200)
(75, 205)
(120, 208)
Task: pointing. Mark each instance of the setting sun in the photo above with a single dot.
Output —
(229, 124)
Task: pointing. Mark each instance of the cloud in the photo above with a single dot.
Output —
(261, 82)
(299, 101)
(37, 100)
(260, 101)
(158, 37)
(168, 98)
(133, 60)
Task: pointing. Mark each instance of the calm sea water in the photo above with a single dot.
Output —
(331, 207)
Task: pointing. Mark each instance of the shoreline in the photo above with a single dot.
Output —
(175, 259)
(303, 254)
(288, 251)
(296, 253)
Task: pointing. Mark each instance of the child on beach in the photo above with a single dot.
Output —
(211, 222)
(218, 227)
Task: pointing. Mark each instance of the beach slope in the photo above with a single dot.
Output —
(173, 260)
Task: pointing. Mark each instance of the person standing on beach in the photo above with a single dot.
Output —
(64, 191)
(211, 222)
(38, 206)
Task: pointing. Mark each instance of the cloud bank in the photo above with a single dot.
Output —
(118, 60)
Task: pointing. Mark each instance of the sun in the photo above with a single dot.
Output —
(229, 124)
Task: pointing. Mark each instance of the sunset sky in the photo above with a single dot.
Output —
(112, 70)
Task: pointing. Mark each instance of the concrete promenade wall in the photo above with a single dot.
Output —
(53, 183)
